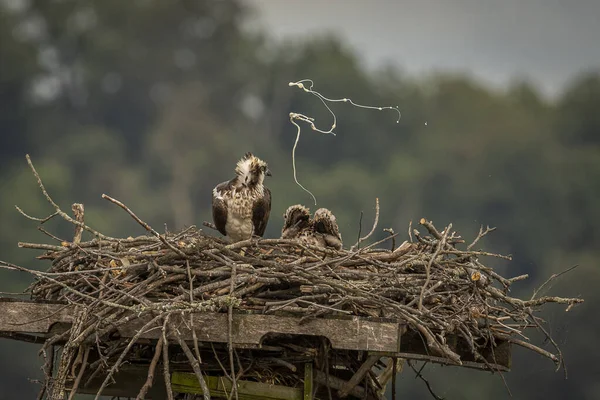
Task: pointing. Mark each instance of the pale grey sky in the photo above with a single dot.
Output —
(546, 41)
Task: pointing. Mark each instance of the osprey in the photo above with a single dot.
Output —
(296, 219)
(241, 206)
(325, 224)
(321, 230)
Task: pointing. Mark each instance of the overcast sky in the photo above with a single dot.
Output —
(546, 41)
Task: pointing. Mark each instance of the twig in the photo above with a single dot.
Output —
(145, 225)
(194, 363)
(165, 353)
(234, 390)
(375, 222)
(40, 246)
(561, 360)
(440, 246)
(57, 208)
(41, 220)
(116, 365)
(48, 370)
(529, 346)
(84, 364)
(58, 388)
(149, 380)
(554, 276)
(79, 216)
(481, 234)
(420, 376)
(392, 235)
(45, 232)
(192, 327)
(7, 265)
(359, 230)
(431, 228)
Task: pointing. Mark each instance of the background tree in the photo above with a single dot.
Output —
(153, 102)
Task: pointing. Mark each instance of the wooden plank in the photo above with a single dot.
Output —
(353, 334)
(220, 387)
(248, 329)
(29, 317)
(376, 337)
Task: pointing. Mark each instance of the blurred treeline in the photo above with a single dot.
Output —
(153, 102)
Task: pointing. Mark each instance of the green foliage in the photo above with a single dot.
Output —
(163, 98)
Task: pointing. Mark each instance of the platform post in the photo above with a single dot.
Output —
(308, 381)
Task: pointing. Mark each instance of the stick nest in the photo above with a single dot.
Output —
(435, 283)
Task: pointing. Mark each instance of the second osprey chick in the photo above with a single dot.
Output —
(241, 206)
(325, 224)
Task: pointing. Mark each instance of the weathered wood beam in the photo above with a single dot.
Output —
(336, 383)
(358, 375)
(30, 317)
(377, 337)
(248, 329)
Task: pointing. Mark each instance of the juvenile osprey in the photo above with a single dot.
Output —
(241, 206)
(296, 219)
(325, 224)
(320, 231)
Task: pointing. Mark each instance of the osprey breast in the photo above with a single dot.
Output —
(239, 219)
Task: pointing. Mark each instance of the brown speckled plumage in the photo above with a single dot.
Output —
(295, 220)
(241, 206)
(321, 230)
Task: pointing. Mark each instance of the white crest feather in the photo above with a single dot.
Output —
(242, 169)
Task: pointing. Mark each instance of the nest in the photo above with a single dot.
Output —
(435, 283)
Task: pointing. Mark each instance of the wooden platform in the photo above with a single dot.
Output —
(249, 330)
(36, 321)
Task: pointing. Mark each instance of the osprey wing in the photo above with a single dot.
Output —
(219, 206)
(261, 209)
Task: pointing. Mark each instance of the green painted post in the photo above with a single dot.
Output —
(308, 381)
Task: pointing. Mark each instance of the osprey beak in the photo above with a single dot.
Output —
(268, 172)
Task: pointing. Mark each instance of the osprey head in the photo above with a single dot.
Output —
(251, 170)
(325, 223)
(295, 218)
